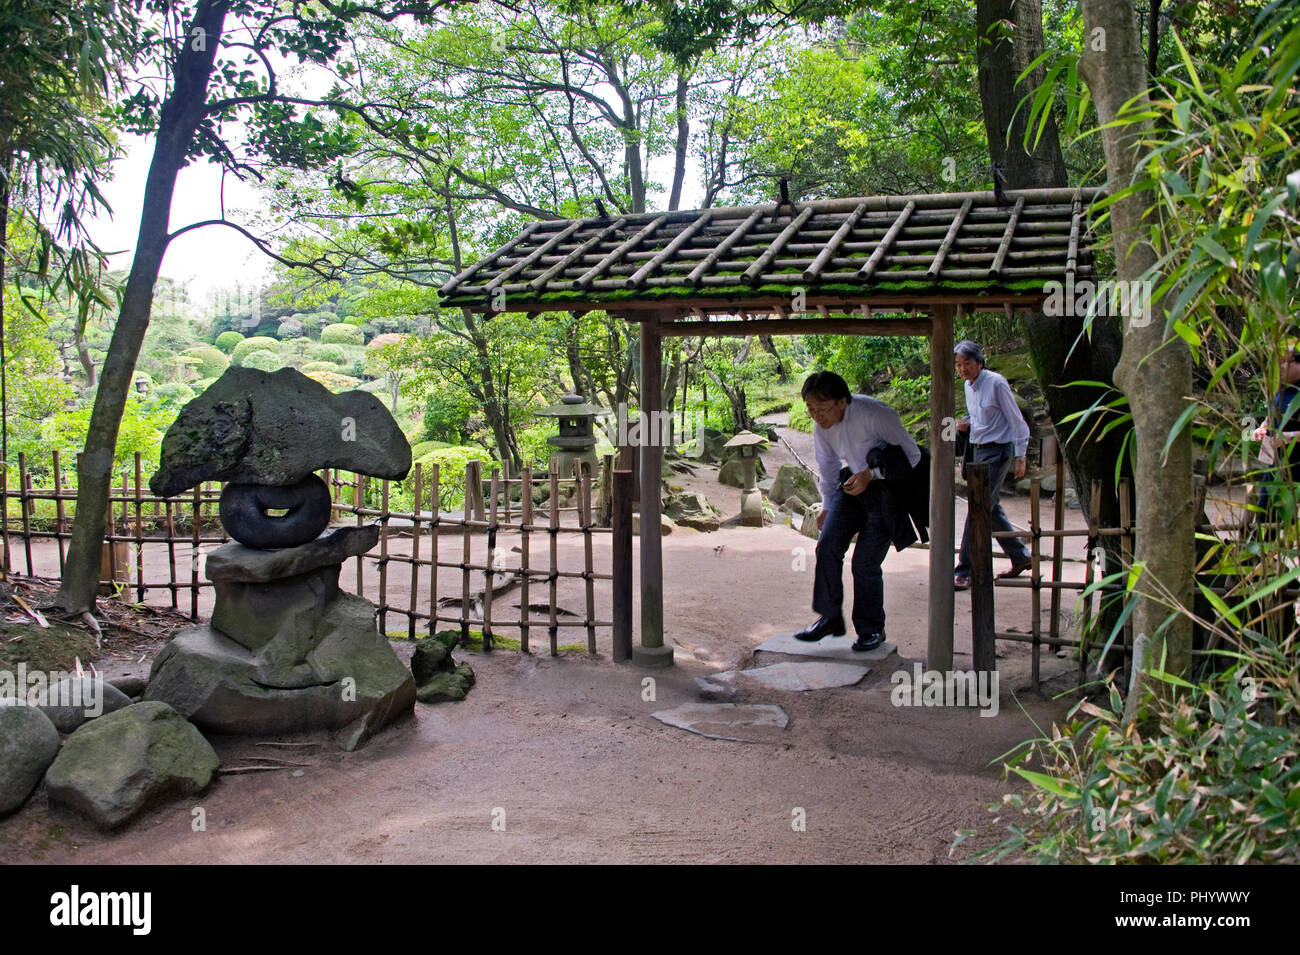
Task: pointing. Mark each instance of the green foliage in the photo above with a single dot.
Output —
(212, 361)
(333, 381)
(227, 341)
(330, 353)
(1205, 780)
(142, 428)
(445, 416)
(422, 448)
(263, 360)
(799, 419)
(289, 329)
(341, 334)
(327, 366)
(171, 397)
(250, 345)
(451, 463)
(857, 358)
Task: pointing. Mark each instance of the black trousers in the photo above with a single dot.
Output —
(866, 515)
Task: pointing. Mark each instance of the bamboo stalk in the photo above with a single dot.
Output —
(824, 256)
(23, 492)
(457, 280)
(882, 250)
(1094, 518)
(534, 255)
(752, 273)
(638, 278)
(1005, 245)
(576, 254)
(358, 498)
(723, 247)
(1058, 523)
(171, 552)
(585, 280)
(946, 245)
(1071, 257)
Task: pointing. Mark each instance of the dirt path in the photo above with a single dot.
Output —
(568, 752)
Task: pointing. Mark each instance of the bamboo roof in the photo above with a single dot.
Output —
(831, 255)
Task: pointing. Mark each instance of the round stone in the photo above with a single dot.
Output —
(306, 507)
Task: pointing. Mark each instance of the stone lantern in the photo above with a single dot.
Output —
(747, 445)
(577, 439)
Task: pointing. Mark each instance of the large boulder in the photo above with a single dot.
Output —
(78, 699)
(333, 671)
(28, 744)
(257, 427)
(112, 768)
(732, 473)
(792, 480)
(692, 510)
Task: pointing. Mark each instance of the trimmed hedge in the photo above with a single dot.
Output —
(227, 341)
(250, 345)
(341, 334)
(212, 361)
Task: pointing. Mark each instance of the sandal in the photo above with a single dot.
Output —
(961, 581)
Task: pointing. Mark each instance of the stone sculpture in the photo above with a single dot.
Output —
(285, 651)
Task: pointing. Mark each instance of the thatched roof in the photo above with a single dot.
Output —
(841, 254)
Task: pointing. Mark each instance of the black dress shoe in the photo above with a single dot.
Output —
(870, 641)
(824, 627)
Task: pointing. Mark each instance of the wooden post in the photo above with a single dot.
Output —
(621, 519)
(358, 500)
(415, 552)
(58, 506)
(1035, 580)
(652, 652)
(194, 552)
(942, 460)
(553, 513)
(525, 533)
(1094, 522)
(490, 573)
(383, 559)
(605, 490)
(1058, 542)
(980, 542)
(470, 472)
(23, 507)
(584, 502)
(139, 529)
(435, 526)
(474, 489)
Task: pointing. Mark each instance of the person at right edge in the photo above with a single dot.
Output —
(998, 436)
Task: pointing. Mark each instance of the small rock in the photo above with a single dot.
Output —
(666, 524)
(78, 699)
(132, 686)
(28, 744)
(114, 767)
(447, 687)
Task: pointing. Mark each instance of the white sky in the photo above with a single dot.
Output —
(205, 259)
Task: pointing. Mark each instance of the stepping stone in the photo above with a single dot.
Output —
(714, 720)
(788, 676)
(827, 648)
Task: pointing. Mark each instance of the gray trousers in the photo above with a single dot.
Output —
(999, 458)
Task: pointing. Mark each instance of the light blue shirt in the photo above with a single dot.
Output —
(867, 422)
(995, 417)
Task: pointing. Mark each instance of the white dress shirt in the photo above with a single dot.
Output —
(867, 422)
(995, 417)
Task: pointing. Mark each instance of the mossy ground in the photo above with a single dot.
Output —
(475, 643)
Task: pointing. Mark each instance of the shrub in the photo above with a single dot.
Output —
(289, 328)
(424, 447)
(212, 361)
(172, 396)
(330, 353)
(325, 366)
(263, 360)
(333, 381)
(451, 463)
(250, 345)
(444, 418)
(227, 341)
(341, 334)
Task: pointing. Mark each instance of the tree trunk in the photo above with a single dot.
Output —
(1158, 386)
(179, 119)
(1058, 352)
(5, 172)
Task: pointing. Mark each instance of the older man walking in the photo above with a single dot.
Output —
(998, 437)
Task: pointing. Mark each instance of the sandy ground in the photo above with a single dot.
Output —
(562, 754)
